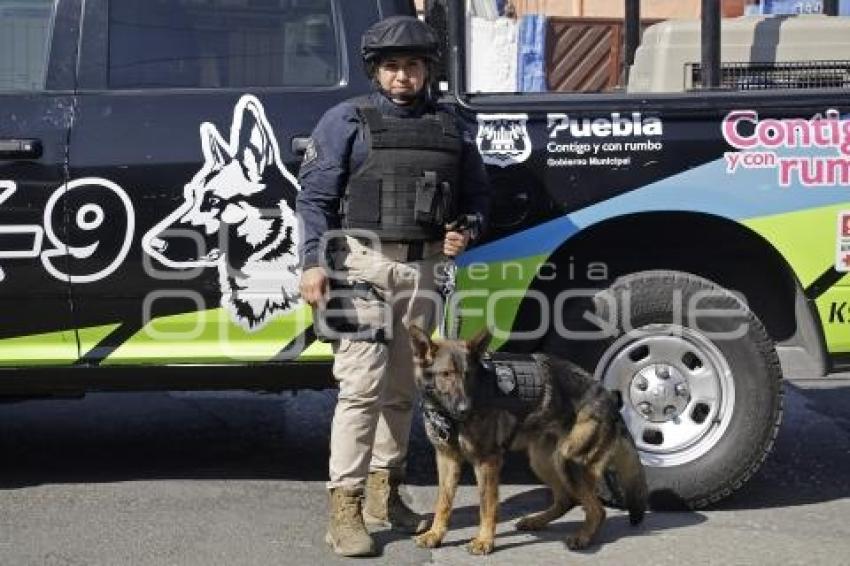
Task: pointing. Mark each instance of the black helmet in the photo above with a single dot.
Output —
(399, 34)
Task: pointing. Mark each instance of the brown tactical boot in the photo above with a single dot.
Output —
(347, 534)
(385, 507)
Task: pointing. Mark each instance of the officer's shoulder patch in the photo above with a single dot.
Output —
(311, 153)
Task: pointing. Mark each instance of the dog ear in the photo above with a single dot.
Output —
(213, 147)
(256, 139)
(480, 341)
(421, 345)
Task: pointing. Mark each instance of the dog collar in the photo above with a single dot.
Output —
(439, 427)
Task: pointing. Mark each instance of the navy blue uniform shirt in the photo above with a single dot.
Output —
(338, 143)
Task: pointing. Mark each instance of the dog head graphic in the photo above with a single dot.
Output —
(237, 214)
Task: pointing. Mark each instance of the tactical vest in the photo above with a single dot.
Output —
(406, 189)
(505, 381)
(513, 382)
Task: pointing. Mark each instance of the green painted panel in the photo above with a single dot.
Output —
(493, 292)
(91, 337)
(834, 309)
(317, 351)
(209, 337)
(806, 239)
(53, 348)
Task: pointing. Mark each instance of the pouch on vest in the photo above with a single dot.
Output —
(366, 207)
(428, 200)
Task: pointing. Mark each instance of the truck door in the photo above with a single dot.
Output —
(188, 112)
(37, 51)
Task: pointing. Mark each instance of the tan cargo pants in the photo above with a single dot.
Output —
(371, 423)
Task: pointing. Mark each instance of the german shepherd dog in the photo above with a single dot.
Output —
(573, 435)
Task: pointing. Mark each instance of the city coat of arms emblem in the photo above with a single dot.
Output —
(503, 139)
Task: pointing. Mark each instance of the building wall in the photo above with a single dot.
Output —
(656, 9)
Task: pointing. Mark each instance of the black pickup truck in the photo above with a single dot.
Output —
(672, 214)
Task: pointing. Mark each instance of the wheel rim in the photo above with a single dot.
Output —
(677, 388)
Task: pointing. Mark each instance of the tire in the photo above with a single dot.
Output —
(701, 392)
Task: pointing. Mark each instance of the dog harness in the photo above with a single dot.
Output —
(512, 382)
(509, 382)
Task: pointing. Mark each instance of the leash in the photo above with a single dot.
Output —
(447, 276)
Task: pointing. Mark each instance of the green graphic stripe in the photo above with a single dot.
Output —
(209, 337)
(91, 337)
(834, 309)
(53, 348)
(806, 239)
(317, 351)
(498, 287)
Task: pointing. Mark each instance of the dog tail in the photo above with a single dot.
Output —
(631, 477)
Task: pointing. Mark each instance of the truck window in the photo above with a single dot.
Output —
(222, 44)
(24, 40)
(578, 47)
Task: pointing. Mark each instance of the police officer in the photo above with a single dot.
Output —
(396, 165)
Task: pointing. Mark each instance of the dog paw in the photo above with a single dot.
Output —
(578, 541)
(429, 539)
(530, 523)
(480, 547)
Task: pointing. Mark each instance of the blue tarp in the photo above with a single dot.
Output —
(531, 56)
(801, 7)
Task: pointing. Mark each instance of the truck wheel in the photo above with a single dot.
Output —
(699, 379)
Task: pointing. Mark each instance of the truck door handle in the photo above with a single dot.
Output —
(20, 149)
(299, 145)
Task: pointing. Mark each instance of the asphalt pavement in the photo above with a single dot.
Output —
(238, 478)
